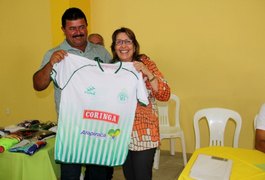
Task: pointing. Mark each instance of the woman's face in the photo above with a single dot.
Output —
(124, 47)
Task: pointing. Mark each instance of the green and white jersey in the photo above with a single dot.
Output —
(97, 109)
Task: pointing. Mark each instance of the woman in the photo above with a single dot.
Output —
(145, 135)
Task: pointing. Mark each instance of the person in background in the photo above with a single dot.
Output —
(145, 135)
(74, 26)
(96, 39)
(260, 130)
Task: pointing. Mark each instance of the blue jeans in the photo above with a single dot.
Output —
(93, 172)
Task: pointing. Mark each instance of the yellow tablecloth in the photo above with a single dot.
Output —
(247, 164)
(39, 166)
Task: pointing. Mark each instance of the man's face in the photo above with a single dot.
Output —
(76, 33)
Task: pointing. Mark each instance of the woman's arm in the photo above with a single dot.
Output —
(155, 80)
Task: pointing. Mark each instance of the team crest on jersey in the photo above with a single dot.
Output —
(123, 96)
(90, 90)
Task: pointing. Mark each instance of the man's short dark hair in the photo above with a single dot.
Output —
(72, 14)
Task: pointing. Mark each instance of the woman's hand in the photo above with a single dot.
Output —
(140, 67)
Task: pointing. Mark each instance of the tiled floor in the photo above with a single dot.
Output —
(170, 167)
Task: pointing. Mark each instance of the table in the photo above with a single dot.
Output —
(247, 164)
(19, 166)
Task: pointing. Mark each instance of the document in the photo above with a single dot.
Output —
(208, 167)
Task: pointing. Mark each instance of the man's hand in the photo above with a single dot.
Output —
(57, 56)
(42, 79)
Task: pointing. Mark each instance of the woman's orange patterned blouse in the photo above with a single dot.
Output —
(145, 134)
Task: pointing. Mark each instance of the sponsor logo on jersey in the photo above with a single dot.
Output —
(113, 133)
(93, 134)
(101, 116)
(90, 90)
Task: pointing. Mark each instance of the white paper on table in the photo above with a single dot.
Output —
(208, 167)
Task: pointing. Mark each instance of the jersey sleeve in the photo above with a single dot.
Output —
(63, 71)
(142, 94)
(59, 75)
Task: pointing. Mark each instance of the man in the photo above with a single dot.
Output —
(74, 26)
(260, 130)
(96, 39)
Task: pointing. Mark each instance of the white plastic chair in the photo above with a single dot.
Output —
(170, 132)
(217, 119)
(255, 122)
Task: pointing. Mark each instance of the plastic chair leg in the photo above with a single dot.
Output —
(172, 146)
(183, 150)
(156, 159)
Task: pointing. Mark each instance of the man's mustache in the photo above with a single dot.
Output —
(78, 35)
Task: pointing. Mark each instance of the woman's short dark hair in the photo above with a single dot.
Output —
(132, 37)
(72, 14)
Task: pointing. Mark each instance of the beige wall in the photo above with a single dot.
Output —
(211, 52)
(25, 36)
(28, 29)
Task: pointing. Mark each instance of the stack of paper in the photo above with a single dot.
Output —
(211, 168)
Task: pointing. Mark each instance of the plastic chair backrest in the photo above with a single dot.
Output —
(255, 122)
(217, 119)
(163, 111)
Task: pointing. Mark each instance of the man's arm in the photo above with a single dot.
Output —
(42, 79)
(260, 140)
